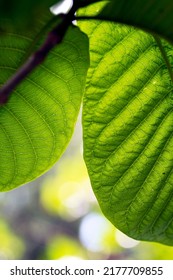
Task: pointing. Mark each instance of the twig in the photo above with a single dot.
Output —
(54, 38)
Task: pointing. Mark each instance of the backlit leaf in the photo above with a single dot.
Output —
(128, 127)
(37, 122)
(154, 16)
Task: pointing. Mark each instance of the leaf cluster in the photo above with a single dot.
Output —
(127, 95)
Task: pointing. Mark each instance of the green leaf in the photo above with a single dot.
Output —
(154, 16)
(37, 122)
(128, 128)
(22, 13)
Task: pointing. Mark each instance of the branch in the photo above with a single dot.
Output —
(54, 38)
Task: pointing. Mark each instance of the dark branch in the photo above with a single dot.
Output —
(54, 38)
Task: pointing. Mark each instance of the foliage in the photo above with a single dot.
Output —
(45, 234)
(23, 13)
(153, 16)
(31, 140)
(127, 119)
(127, 108)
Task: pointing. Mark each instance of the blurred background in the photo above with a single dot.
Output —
(58, 217)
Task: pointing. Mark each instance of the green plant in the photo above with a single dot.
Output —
(127, 104)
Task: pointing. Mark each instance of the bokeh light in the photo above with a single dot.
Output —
(11, 246)
(69, 192)
(62, 7)
(125, 241)
(64, 247)
(93, 232)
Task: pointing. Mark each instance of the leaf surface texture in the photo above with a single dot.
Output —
(128, 126)
(37, 122)
(154, 16)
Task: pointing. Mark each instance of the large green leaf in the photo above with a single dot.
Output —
(37, 122)
(23, 12)
(154, 16)
(128, 128)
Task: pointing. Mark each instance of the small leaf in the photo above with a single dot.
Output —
(128, 127)
(37, 122)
